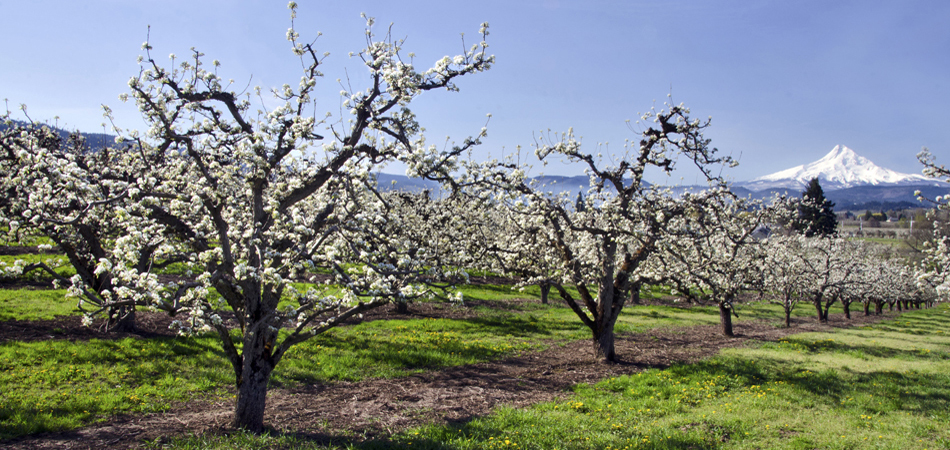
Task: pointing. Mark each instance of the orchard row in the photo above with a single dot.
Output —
(249, 201)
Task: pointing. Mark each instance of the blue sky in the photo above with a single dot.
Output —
(784, 81)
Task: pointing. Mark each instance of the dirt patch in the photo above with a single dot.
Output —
(25, 284)
(147, 324)
(375, 409)
(7, 250)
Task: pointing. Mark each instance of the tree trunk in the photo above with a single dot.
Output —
(121, 319)
(788, 317)
(817, 302)
(545, 290)
(256, 368)
(867, 308)
(847, 309)
(635, 296)
(604, 344)
(725, 319)
(878, 308)
(252, 397)
(899, 308)
(821, 315)
(402, 307)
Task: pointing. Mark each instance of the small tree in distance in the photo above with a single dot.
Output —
(816, 214)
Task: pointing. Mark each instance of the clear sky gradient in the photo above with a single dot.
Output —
(785, 81)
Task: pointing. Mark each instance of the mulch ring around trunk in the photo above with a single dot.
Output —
(346, 412)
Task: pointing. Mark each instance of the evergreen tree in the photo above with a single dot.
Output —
(816, 215)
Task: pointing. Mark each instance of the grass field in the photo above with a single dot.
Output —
(35, 304)
(54, 385)
(885, 386)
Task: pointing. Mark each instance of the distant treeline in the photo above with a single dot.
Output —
(93, 141)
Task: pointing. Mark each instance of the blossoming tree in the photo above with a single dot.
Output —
(937, 259)
(715, 251)
(75, 195)
(601, 249)
(250, 203)
(784, 276)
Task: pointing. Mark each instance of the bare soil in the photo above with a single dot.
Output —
(346, 412)
(25, 249)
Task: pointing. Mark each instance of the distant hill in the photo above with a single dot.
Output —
(93, 140)
(887, 197)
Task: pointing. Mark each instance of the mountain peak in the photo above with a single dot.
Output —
(841, 168)
(840, 152)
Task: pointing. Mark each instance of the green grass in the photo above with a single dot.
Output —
(885, 386)
(52, 385)
(56, 385)
(25, 239)
(59, 263)
(392, 348)
(35, 304)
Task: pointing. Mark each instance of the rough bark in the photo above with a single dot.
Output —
(604, 343)
(545, 290)
(788, 318)
(867, 309)
(847, 309)
(252, 398)
(252, 381)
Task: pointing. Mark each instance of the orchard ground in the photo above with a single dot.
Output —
(500, 370)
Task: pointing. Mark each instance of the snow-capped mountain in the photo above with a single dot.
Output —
(839, 169)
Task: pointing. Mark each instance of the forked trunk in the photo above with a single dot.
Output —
(725, 319)
(821, 313)
(824, 313)
(878, 308)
